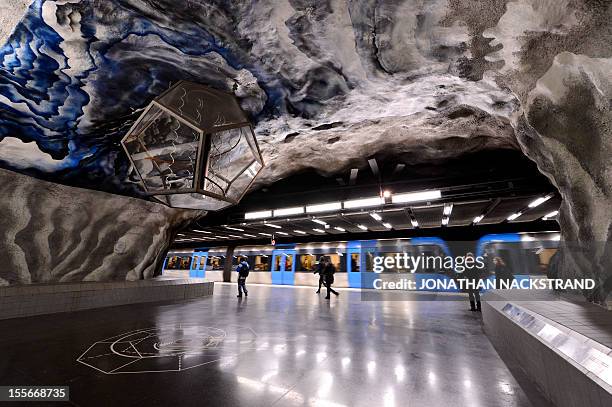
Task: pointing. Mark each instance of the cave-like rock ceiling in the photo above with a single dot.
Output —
(326, 82)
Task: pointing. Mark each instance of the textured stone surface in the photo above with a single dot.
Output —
(51, 232)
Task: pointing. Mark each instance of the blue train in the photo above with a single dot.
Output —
(526, 255)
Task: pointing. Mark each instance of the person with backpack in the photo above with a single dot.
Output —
(243, 272)
(329, 270)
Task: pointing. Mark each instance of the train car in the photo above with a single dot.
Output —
(526, 255)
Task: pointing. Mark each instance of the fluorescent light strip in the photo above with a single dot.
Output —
(415, 224)
(282, 233)
(324, 207)
(231, 228)
(514, 216)
(539, 201)
(258, 215)
(363, 203)
(265, 234)
(319, 230)
(288, 211)
(202, 231)
(388, 225)
(416, 196)
(236, 237)
(362, 227)
(445, 220)
(478, 219)
(339, 229)
(320, 222)
(220, 237)
(376, 216)
(273, 226)
(247, 235)
(300, 232)
(550, 215)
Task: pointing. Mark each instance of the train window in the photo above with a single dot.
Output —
(288, 262)
(202, 262)
(277, 262)
(216, 262)
(306, 263)
(185, 263)
(260, 263)
(538, 259)
(355, 262)
(194, 265)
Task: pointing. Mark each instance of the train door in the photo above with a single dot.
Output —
(283, 266)
(198, 265)
(353, 264)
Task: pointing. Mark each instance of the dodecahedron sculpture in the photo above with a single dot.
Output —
(193, 147)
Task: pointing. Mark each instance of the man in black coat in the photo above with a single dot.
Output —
(328, 271)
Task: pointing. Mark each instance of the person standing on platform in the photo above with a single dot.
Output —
(472, 275)
(329, 270)
(243, 272)
(502, 273)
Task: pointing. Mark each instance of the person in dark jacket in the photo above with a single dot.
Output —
(320, 272)
(329, 270)
(502, 273)
(243, 272)
(473, 275)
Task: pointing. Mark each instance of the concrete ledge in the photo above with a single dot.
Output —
(40, 299)
(570, 369)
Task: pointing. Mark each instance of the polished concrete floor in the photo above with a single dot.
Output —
(280, 346)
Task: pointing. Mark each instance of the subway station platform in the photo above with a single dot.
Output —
(280, 346)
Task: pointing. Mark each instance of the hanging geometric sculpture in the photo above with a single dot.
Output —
(193, 147)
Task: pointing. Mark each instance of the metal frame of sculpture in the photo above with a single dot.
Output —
(193, 147)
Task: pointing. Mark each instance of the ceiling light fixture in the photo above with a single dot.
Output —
(514, 216)
(448, 208)
(550, 215)
(231, 228)
(445, 221)
(319, 230)
(320, 222)
(416, 196)
(264, 234)
(258, 214)
(339, 229)
(363, 203)
(415, 224)
(376, 216)
(282, 233)
(202, 231)
(273, 225)
(477, 219)
(362, 227)
(288, 211)
(388, 225)
(324, 207)
(540, 201)
(300, 232)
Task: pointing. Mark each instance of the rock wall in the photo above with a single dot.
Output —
(51, 233)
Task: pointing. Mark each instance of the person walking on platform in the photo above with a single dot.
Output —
(329, 270)
(473, 275)
(243, 272)
(319, 270)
